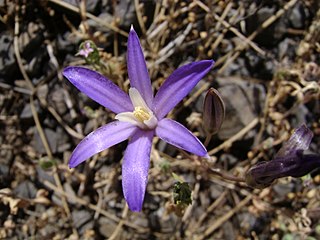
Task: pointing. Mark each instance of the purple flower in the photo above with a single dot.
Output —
(289, 161)
(86, 49)
(140, 116)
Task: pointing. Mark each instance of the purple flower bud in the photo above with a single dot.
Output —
(213, 111)
(289, 161)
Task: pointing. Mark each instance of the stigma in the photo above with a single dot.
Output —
(142, 116)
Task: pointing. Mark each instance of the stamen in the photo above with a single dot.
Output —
(141, 114)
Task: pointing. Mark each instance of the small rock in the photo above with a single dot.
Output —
(52, 140)
(8, 66)
(106, 227)
(245, 104)
(26, 113)
(271, 35)
(297, 16)
(82, 220)
(26, 189)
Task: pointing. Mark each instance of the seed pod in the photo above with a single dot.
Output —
(213, 111)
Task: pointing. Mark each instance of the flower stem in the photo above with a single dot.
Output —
(207, 141)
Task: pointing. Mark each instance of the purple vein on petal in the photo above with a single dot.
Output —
(137, 68)
(99, 88)
(176, 134)
(101, 139)
(135, 168)
(178, 85)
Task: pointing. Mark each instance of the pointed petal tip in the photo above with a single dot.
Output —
(135, 208)
(132, 31)
(67, 70)
(210, 62)
(74, 162)
(70, 166)
(207, 156)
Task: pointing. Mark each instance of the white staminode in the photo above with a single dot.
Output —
(141, 116)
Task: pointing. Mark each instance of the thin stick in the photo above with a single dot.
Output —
(264, 25)
(221, 20)
(35, 114)
(17, 52)
(207, 140)
(116, 232)
(210, 209)
(217, 223)
(236, 137)
(54, 113)
(91, 16)
(139, 17)
(93, 207)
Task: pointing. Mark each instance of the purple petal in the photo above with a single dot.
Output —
(299, 140)
(298, 164)
(178, 85)
(135, 168)
(137, 68)
(101, 139)
(99, 88)
(176, 134)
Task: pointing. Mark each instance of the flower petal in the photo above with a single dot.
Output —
(135, 168)
(137, 68)
(176, 134)
(299, 140)
(101, 139)
(99, 88)
(178, 85)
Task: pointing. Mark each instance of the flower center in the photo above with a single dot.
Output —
(142, 116)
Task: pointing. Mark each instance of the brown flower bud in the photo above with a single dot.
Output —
(213, 111)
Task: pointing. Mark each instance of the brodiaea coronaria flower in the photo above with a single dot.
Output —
(140, 116)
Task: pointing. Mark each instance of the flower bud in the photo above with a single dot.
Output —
(213, 111)
(89, 51)
(289, 161)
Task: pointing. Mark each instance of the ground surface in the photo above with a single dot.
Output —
(267, 70)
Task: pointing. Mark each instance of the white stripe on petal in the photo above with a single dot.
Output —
(136, 99)
(130, 118)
